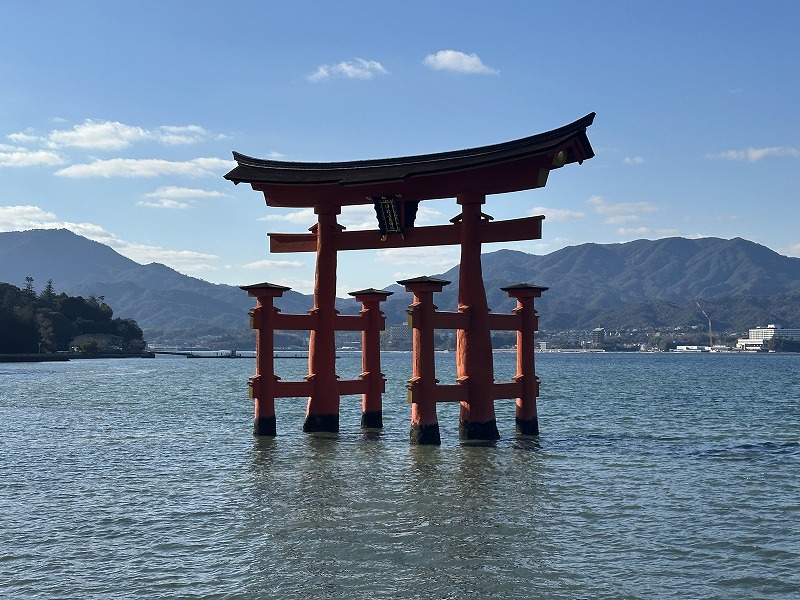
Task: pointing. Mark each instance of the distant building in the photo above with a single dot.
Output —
(758, 338)
(396, 337)
(597, 337)
(692, 348)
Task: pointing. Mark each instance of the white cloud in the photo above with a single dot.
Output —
(621, 219)
(24, 138)
(20, 157)
(147, 167)
(175, 135)
(163, 203)
(20, 218)
(646, 231)
(358, 69)
(105, 135)
(400, 275)
(359, 217)
(272, 264)
(304, 216)
(757, 154)
(181, 260)
(458, 62)
(633, 160)
(354, 218)
(298, 284)
(792, 250)
(111, 135)
(620, 212)
(427, 259)
(173, 192)
(171, 196)
(428, 215)
(556, 214)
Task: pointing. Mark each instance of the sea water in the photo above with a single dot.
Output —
(655, 476)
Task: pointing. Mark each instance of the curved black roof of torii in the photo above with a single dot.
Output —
(505, 167)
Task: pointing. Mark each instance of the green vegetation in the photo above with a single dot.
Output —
(50, 322)
(777, 344)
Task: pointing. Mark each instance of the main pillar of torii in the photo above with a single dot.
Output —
(395, 187)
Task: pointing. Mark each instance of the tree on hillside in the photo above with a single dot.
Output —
(50, 321)
(48, 295)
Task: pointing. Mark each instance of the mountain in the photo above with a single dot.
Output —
(640, 284)
(168, 305)
(598, 284)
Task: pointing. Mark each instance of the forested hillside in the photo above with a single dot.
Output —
(51, 322)
(641, 284)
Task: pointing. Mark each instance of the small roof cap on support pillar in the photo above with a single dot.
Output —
(521, 290)
(265, 289)
(370, 292)
(424, 284)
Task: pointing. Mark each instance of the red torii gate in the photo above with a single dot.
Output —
(396, 186)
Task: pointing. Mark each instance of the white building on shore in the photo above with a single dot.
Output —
(758, 338)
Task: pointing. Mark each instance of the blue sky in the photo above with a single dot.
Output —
(117, 120)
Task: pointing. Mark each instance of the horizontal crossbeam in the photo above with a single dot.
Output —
(301, 389)
(511, 230)
(460, 320)
(308, 322)
(458, 392)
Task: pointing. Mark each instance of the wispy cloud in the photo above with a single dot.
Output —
(187, 261)
(20, 157)
(633, 160)
(163, 203)
(356, 69)
(111, 135)
(757, 154)
(645, 232)
(428, 259)
(458, 62)
(354, 218)
(272, 264)
(620, 212)
(792, 250)
(147, 167)
(172, 196)
(359, 217)
(556, 214)
(172, 191)
(20, 218)
(175, 135)
(105, 135)
(303, 216)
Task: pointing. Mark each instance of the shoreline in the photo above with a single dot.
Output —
(67, 356)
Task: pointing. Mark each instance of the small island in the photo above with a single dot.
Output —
(51, 326)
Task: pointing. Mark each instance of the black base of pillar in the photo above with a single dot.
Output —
(372, 420)
(478, 431)
(264, 426)
(425, 435)
(530, 427)
(321, 423)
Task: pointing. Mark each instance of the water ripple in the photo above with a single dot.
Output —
(654, 476)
